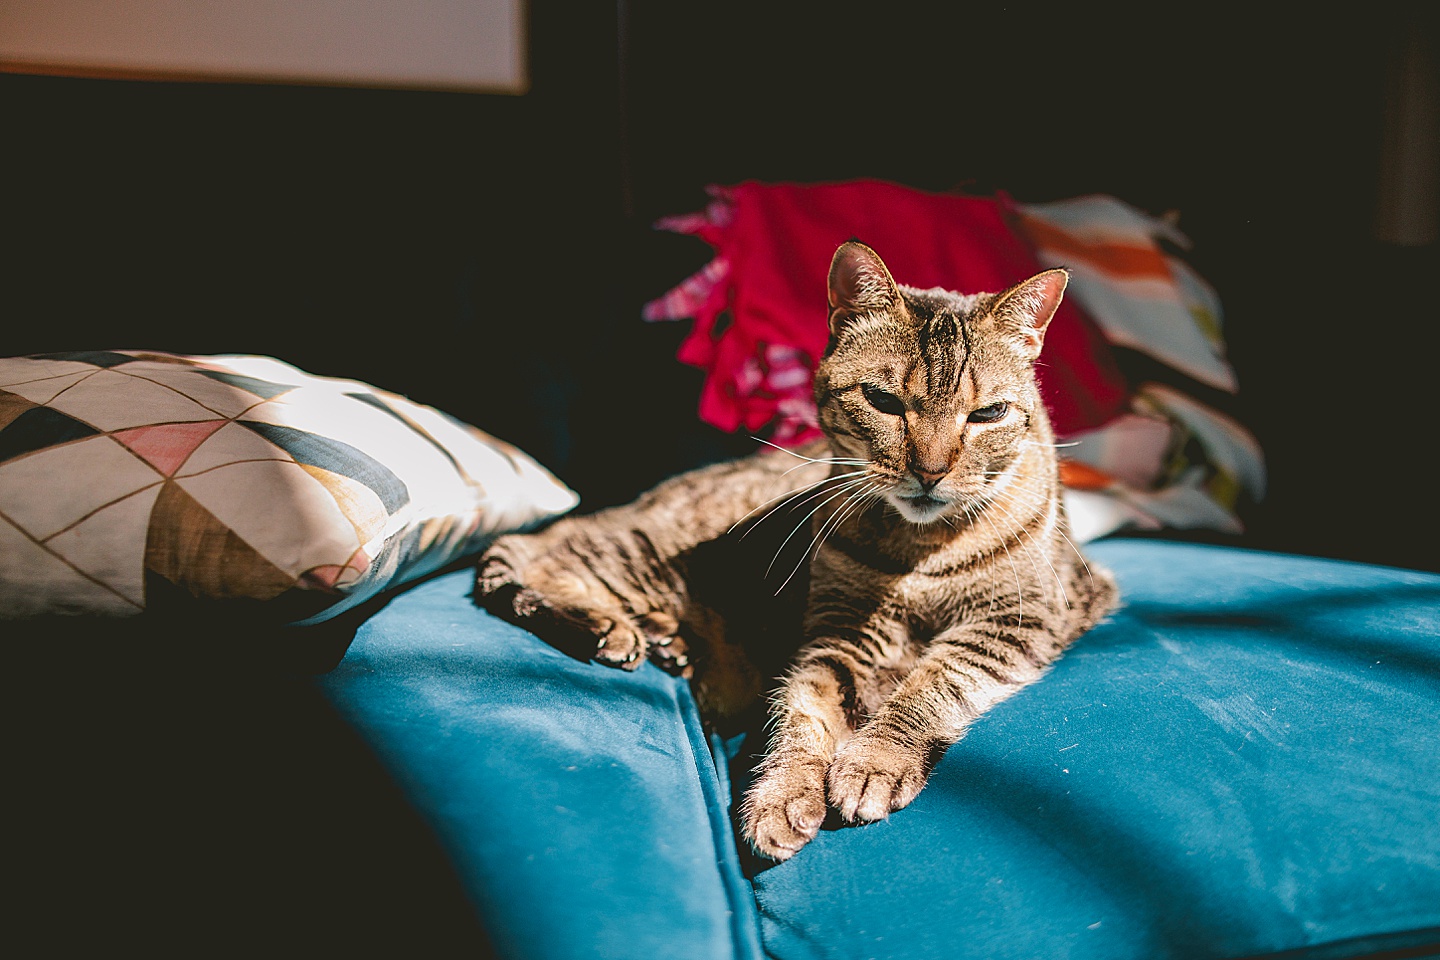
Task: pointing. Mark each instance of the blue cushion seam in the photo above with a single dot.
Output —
(1395, 943)
(744, 919)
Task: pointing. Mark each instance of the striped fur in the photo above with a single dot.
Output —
(941, 579)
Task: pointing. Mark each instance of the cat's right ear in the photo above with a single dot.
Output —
(1026, 309)
(859, 284)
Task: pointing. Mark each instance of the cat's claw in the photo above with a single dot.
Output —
(516, 581)
(785, 808)
(671, 654)
(872, 777)
(493, 576)
(619, 643)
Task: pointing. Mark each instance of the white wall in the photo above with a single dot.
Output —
(468, 45)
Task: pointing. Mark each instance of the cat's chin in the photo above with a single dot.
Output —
(920, 510)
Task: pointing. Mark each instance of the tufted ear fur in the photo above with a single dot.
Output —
(1026, 309)
(859, 284)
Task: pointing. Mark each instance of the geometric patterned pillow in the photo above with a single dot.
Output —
(135, 481)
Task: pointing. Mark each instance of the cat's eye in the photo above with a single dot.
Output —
(989, 414)
(883, 401)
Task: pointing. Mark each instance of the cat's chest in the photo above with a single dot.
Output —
(928, 585)
(927, 576)
(941, 583)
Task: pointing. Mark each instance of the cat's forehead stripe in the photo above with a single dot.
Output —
(944, 351)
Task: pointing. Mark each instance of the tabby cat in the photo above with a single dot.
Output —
(941, 576)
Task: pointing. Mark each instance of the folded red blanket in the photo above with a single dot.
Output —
(760, 313)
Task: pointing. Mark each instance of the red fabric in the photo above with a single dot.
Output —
(773, 247)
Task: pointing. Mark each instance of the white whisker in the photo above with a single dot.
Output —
(847, 507)
(854, 502)
(786, 496)
(1043, 555)
(801, 456)
(1019, 591)
(849, 484)
(1080, 556)
(969, 511)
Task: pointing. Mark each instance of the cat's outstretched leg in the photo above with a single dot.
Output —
(814, 714)
(613, 585)
(859, 726)
(553, 582)
(961, 675)
(785, 806)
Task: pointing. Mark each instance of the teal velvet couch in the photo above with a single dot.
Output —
(1243, 761)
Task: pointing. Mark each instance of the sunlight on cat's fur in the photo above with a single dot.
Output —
(928, 524)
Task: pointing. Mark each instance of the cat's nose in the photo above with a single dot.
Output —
(927, 477)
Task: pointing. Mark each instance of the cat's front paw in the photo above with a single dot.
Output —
(785, 807)
(872, 776)
(520, 579)
(501, 576)
(495, 573)
(626, 641)
(621, 643)
(668, 650)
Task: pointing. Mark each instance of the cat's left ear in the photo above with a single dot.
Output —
(860, 283)
(1026, 309)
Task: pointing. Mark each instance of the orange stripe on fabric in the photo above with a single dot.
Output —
(1118, 259)
(1082, 476)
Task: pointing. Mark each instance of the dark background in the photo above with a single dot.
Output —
(489, 255)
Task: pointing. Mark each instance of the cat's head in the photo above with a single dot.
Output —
(934, 390)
